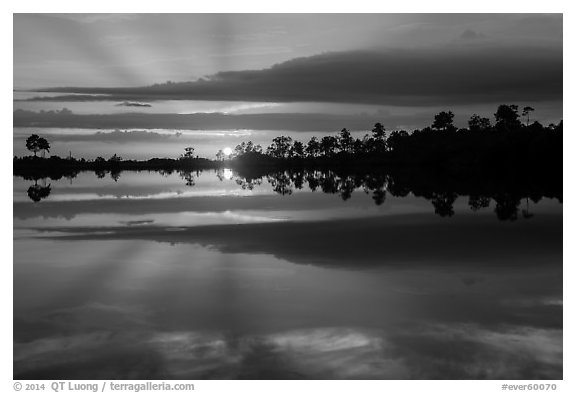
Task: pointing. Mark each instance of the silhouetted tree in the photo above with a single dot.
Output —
(34, 143)
(248, 147)
(44, 146)
(507, 118)
(559, 128)
(368, 144)
(220, 155)
(189, 152)
(313, 147)
(115, 159)
(359, 147)
(526, 112)
(396, 140)
(346, 141)
(444, 121)
(280, 147)
(378, 141)
(329, 145)
(297, 150)
(240, 149)
(379, 132)
(477, 123)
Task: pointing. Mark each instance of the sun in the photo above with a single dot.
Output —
(227, 151)
(227, 174)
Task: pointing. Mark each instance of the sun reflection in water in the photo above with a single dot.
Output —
(227, 174)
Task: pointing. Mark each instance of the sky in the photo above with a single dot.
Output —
(301, 74)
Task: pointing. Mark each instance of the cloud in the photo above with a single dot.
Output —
(315, 118)
(212, 121)
(116, 136)
(471, 35)
(474, 74)
(95, 18)
(135, 104)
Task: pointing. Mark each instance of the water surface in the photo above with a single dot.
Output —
(212, 275)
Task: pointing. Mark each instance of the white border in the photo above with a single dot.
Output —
(230, 6)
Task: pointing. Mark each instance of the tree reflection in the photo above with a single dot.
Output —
(329, 183)
(189, 177)
(444, 203)
(165, 172)
(220, 174)
(347, 187)
(281, 183)
(37, 192)
(115, 174)
(441, 192)
(313, 180)
(379, 196)
(477, 202)
(397, 188)
(507, 207)
(526, 212)
(298, 179)
(248, 184)
(442, 195)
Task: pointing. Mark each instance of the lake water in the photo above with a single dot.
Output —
(210, 275)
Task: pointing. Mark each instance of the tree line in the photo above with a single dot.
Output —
(442, 137)
(506, 143)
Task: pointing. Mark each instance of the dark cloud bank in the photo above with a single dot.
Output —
(207, 121)
(134, 104)
(457, 75)
(115, 136)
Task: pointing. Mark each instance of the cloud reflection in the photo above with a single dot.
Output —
(423, 352)
(361, 242)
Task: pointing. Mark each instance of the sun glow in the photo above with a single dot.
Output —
(227, 151)
(227, 174)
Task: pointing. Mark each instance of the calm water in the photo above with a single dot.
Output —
(212, 276)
